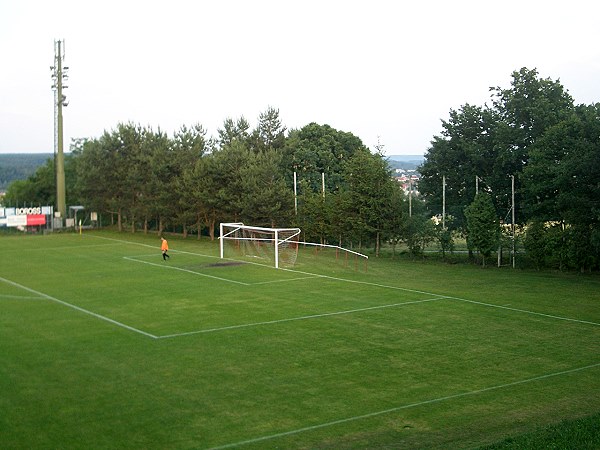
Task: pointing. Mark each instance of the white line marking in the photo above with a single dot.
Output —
(146, 255)
(20, 297)
(312, 316)
(122, 241)
(166, 266)
(491, 305)
(153, 247)
(283, 281)
(402, 407)
(550, 316)
(367, 283)
(63, 247)
(77, 308)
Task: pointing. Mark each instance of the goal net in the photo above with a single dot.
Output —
(278, 246)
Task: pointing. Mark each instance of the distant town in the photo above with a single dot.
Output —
(406, 171)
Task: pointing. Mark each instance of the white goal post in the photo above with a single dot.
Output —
(279, 244)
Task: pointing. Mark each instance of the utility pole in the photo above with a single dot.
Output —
(295, 194)
(513, 220)
(443, 202)
(59, 75)
(409, 196)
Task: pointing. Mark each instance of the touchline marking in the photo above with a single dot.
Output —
(399, 408)
(165, 266)
(491, 305)
(77, 308)
(312, 316)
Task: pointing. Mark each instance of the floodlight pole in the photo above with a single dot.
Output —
(58, 74)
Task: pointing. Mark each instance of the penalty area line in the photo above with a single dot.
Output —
(402, 407)
(77, 308)
(291, 319)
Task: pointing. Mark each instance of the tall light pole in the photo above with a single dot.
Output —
(59, 75)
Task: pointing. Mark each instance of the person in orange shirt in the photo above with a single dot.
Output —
(164, 247)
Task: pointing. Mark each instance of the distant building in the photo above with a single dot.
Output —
(409, 179)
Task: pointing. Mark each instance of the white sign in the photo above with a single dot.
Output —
(16, 221)
(27, 211)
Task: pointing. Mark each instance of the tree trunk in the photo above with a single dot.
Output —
(211, 229)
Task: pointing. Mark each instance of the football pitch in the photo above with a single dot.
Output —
(105, 345)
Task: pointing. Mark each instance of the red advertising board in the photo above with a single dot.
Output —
(36, 219)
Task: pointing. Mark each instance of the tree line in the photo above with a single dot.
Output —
(531, 136)
(534, 135)
(147, 180)
(16, 166)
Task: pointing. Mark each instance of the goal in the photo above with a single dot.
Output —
(278, 246)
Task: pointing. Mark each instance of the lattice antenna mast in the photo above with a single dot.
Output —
(59, 76)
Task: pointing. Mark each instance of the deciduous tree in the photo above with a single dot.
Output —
(483, 226)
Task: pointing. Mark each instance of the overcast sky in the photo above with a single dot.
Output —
(382, 70)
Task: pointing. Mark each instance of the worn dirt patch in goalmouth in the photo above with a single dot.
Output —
(226, 264)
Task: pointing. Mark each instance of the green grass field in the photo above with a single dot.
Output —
(105, 345)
